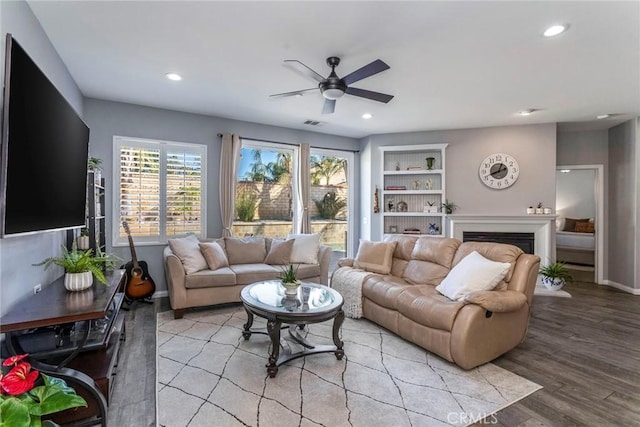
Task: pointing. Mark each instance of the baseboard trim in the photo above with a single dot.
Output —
(161, 294)
(625, 288)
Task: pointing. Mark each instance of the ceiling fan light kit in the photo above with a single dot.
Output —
(334, 87)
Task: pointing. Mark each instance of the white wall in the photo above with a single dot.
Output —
(17, 254)
(575, 193)
(533, 146)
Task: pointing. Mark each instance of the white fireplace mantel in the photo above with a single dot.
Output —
(541, 225)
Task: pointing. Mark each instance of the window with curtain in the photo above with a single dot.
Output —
(266, 190)
(159, 189)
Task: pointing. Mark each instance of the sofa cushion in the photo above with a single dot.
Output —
(499, 252)
(250, 273)
(434, 249)
(246, 250)
(306, 271)
(210, 279)
(424, 272)
(375, 257)
(214, 255)
(473, 273)
(404, 246)
(384, 290)
(187, 249)
(305, 248)
(424, 305)
(279, 252)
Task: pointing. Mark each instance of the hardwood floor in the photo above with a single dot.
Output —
(584, 351)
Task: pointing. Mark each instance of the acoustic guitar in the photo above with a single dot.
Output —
(139, 284)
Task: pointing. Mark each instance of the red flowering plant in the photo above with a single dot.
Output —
(22, 403)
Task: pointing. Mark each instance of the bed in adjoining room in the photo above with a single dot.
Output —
(575, 241)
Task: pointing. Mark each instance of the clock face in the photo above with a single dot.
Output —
(499, 171)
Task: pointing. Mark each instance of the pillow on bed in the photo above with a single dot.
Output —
(570, 223)
(585, 227)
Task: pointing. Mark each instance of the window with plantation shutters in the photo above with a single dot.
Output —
(160, 189)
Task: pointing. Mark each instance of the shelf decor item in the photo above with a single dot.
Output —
(22, 403)
(430, 162)
(95, 165)
(448, 207)
(531, 210)
(289, 280)
(539, 209)
(80, 266)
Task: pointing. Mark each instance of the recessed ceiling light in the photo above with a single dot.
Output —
(367, 116)
(526, 112)
(565, 170)
(603, 116)
(554, 30)
(173, 76)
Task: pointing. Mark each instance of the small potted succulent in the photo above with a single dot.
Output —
(539, 209)
(448, 207)
(555, 275)
(289, 280)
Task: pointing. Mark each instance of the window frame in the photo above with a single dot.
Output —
(163, 146)
(254, 144)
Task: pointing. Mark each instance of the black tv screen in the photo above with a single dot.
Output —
(43, 168)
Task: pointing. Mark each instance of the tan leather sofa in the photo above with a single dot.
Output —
(485, 325)
(223, 285)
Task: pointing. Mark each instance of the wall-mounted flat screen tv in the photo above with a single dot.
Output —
(43, 156)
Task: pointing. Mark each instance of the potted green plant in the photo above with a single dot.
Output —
(555, 275)
(448, 207)
(80, 266)
(95, 165)
(289, 280)
(25, 398)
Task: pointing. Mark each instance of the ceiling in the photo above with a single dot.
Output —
(453, 64)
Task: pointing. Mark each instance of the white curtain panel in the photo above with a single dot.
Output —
(229, 158)
(303, 189)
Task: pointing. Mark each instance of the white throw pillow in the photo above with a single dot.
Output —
(560, 223)
(473, 273)
(188, 250)
(305, 248)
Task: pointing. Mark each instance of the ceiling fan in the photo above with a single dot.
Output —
(334, 87)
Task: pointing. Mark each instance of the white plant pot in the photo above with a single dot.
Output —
(78, 281)
(83, 242)
(552, 284)
(531, 211)
(547, 211)
(291, 288)
(539, 211)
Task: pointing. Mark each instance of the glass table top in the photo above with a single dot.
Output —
(311, 297)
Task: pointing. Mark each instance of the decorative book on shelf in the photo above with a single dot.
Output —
(395, 187)
(412, 231)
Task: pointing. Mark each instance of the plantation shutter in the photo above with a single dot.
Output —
(184, 191)
(161, 190)
(140, 190)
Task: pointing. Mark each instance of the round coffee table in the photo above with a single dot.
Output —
(313, 303)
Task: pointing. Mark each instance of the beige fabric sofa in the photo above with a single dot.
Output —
(223, 285)
(471, 332)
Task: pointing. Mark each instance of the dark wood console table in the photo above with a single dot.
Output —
(87, 362)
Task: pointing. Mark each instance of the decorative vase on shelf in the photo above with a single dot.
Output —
(547, 211)
(78, 281)
(430, 162)
(531, 210)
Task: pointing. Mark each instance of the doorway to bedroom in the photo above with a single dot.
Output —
(580, 220)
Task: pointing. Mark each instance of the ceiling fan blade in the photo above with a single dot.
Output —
(376, 96)
(302, 69)
(368, 70)
(294, 93)
(329, 106)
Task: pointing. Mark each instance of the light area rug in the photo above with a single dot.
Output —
(208, 375)
(541, 290)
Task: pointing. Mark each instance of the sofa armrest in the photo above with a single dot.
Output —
(497, 301)
(175, 274)
(345, 262)
(324, 259)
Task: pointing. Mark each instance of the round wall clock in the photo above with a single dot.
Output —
(499, 171)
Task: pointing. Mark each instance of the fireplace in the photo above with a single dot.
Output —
(525, 241)
(541, 226)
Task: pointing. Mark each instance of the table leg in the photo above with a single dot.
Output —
(337, 324)
(247, 326)
(273, 328)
